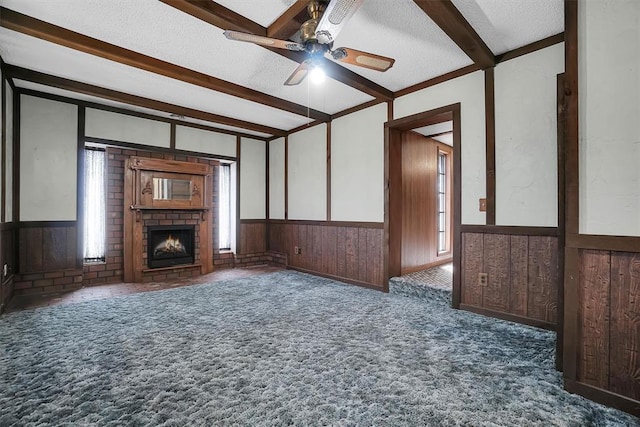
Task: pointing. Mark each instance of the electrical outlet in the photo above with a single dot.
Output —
(483, 278)
(483, 205)
(296, 250)
(5, 270)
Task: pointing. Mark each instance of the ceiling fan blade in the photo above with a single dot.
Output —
(362, 59)
(264, 41)
(334, 18)
(298, 74)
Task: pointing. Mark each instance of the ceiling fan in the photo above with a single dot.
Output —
(316, 37)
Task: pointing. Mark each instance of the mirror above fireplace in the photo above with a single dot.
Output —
(171, 189)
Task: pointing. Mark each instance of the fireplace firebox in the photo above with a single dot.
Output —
(169, 245)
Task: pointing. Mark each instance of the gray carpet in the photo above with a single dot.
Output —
(280, 349)
(433, 283)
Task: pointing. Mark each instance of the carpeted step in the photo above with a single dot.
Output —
(409, 288)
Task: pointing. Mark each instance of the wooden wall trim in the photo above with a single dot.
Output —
(46, 224)
(80, 188)
(3, 142)
(456, 296)
(437, 80)
(572, 174)
(286, 177)
(304, 126)
(328, 171)
(172, 136)
(561, 149)
(254, 221)
(603, 396)
(152, 148)
(490, 144)
(357, 108)
(530, 48)
(354, 224)
(238, 165)
(510, 229)
(267, 189)
(16, 175)
(337, 278)
(510, 317)
(603, 242)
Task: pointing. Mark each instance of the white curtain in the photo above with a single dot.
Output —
(224, 226)
(94, 205)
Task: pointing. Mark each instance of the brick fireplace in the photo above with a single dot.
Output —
(167, 219)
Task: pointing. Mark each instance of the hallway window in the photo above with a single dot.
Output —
(442, 203)
(94, 205)
(225, 207)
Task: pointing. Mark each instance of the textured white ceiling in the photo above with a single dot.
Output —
(507, 25)
(435, 129)
(395, 28)
(38, 55)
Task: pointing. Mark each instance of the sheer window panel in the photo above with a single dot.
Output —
(94, 205)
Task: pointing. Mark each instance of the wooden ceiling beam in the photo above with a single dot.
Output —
(217, 15)
(450, 20)
(289, 22)
(43, 30)
(20, 73)
(209, 13)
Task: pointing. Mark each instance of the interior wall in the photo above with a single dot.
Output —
(205, 141)
(48, 159)
(468, 90)
(276, 179)
(526, 138)
(419, 248)
(120, 127)
(307, 174)
(609, 108)
(357, 165)
(252, 179)
(8, 189)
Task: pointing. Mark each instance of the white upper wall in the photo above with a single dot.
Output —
(307, 174)
(253, 169)
(609, 116)
(48, 159)
(276, 179)
(469, 92)
(204, 141)
(526, 138)
(121, 127)
(357, 166)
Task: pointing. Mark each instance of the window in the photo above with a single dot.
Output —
(442, 194)
(94, 205)
(224, 190)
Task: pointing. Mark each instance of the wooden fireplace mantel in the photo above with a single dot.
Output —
(139, 198)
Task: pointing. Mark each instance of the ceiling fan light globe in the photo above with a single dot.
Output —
(317, 76)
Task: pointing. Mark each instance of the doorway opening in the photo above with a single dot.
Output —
(422, 197)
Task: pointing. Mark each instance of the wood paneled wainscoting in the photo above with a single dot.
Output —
(511, 273)
(602, 320)
(48, 259)
(348, 251)
(7, 239)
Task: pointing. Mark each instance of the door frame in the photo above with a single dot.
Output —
(393, 190)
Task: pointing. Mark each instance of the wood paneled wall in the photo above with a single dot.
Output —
(7, 233)
(609, 319)
(419, 202)
(522, 276)
(253, 236)
(47, 247)
(351, 252)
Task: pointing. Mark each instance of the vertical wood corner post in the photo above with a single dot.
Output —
(393, 130)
